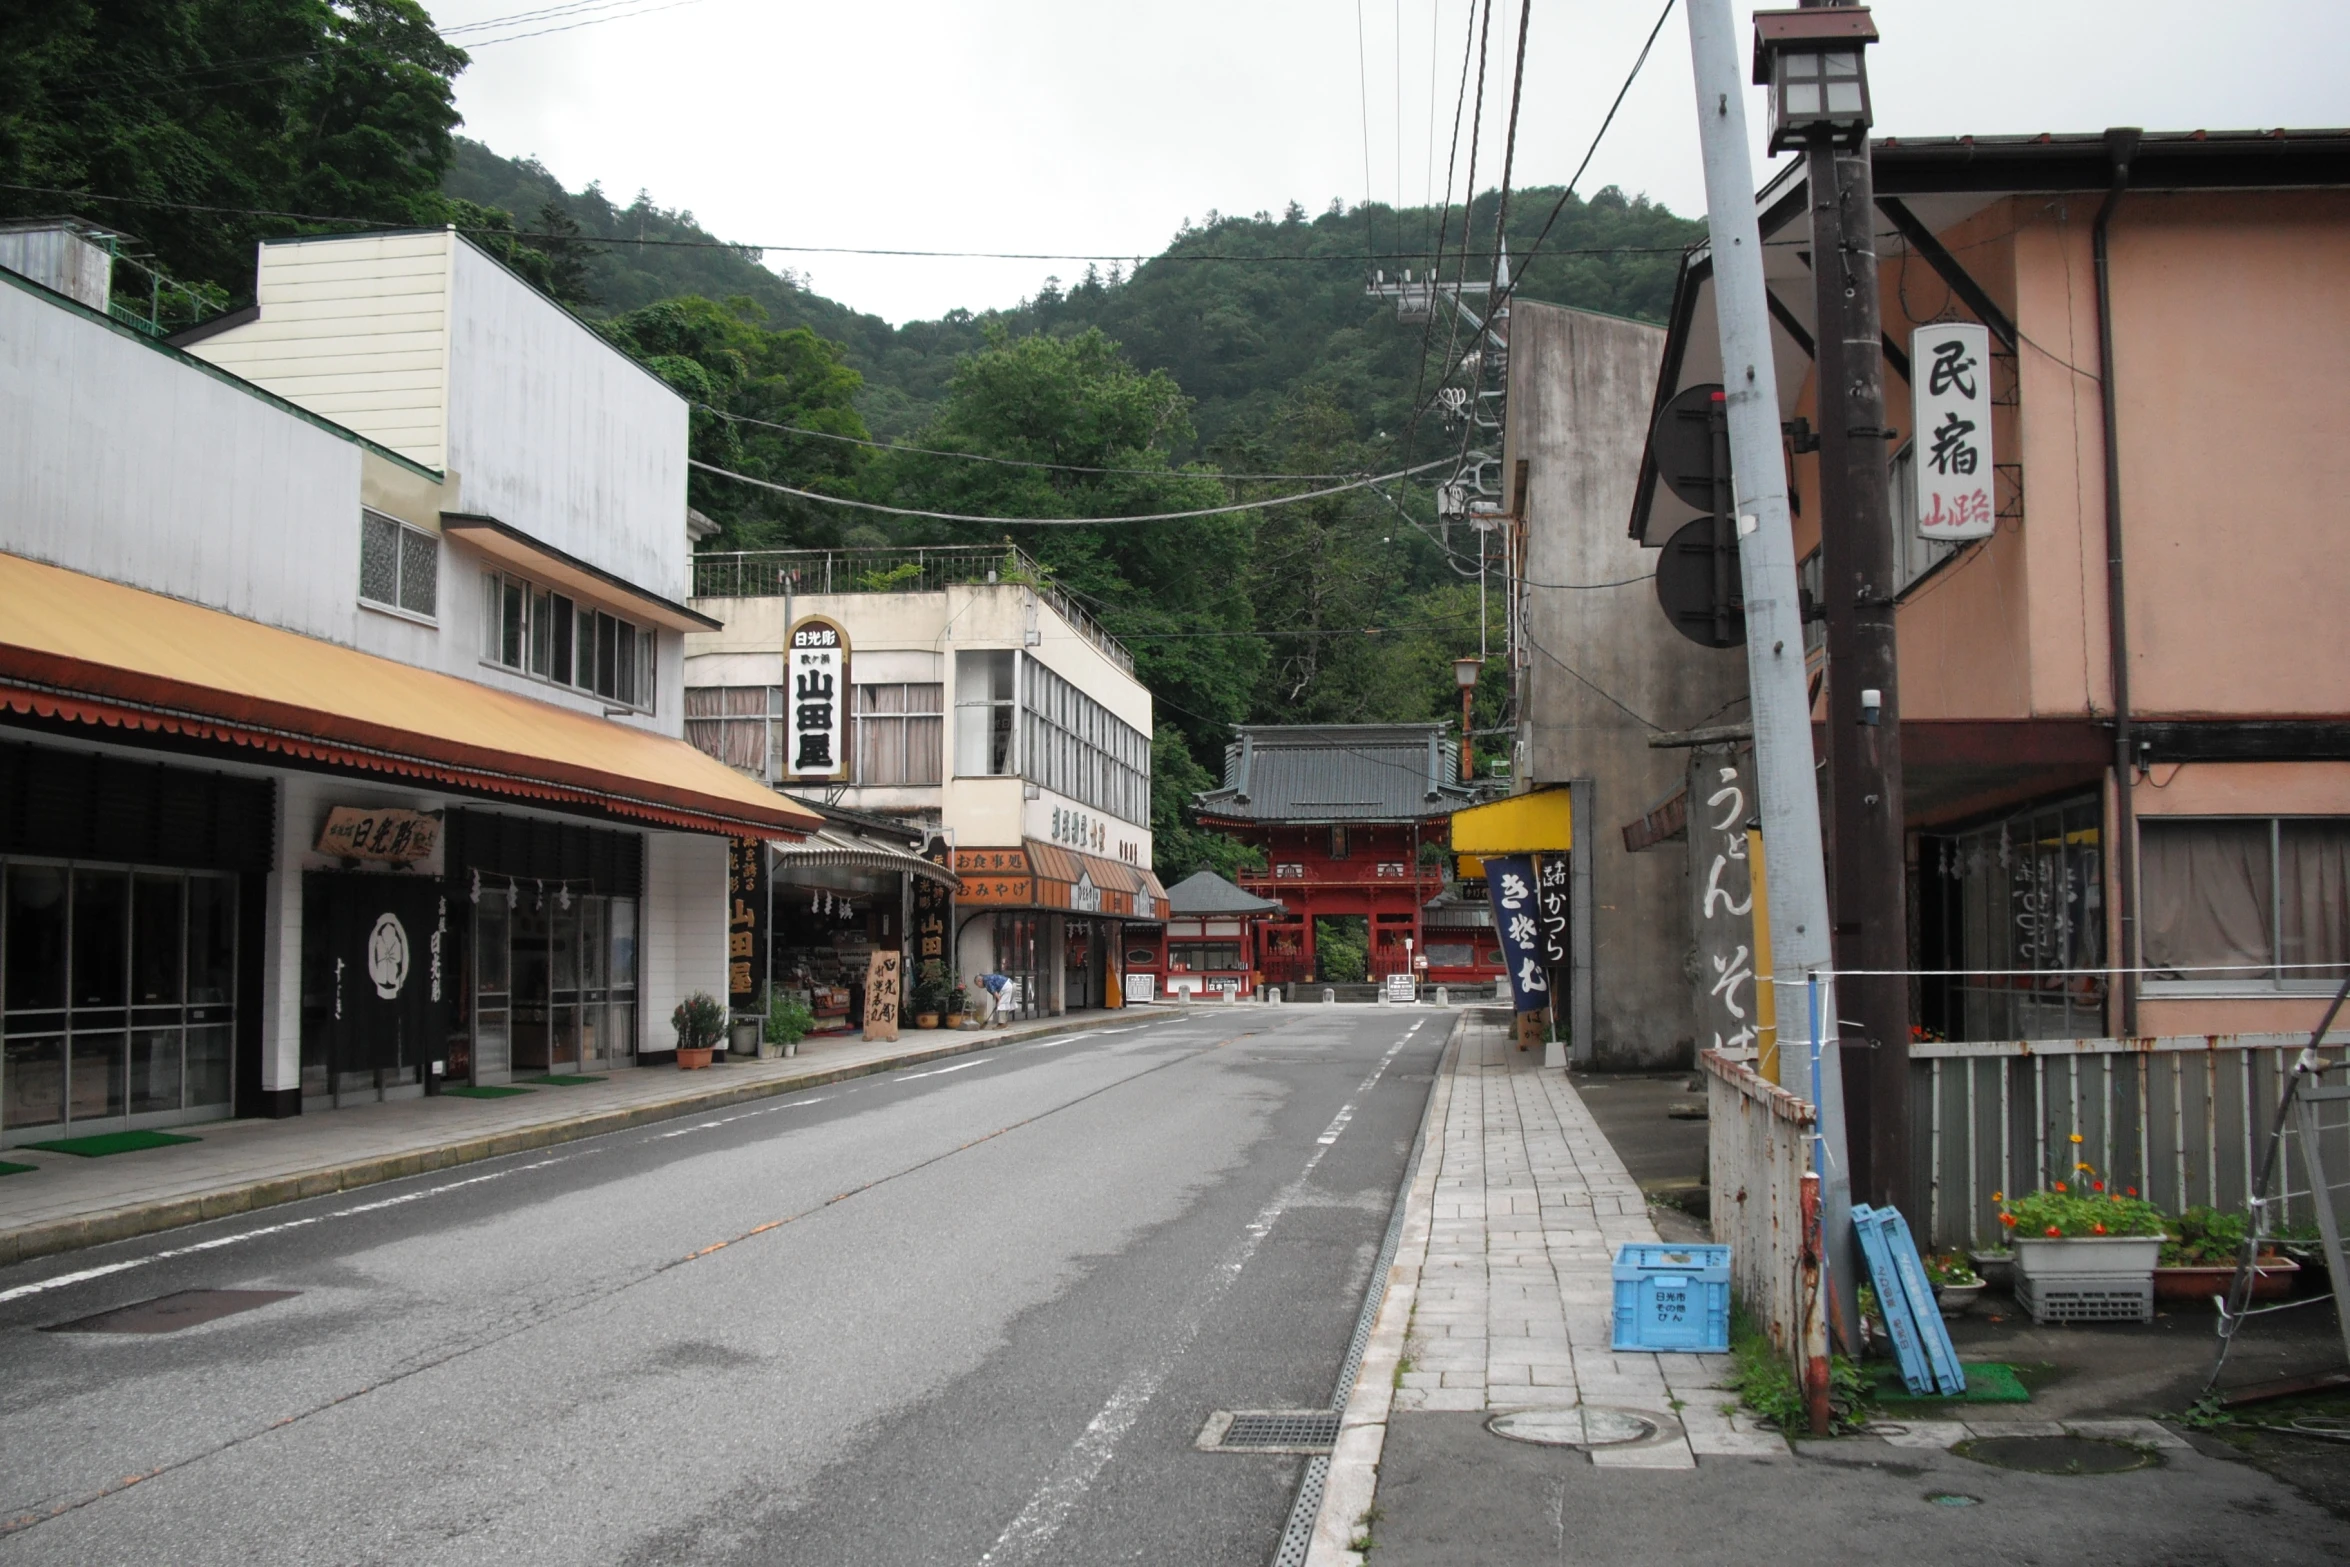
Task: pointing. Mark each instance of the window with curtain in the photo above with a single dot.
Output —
(901, 730)
(742, 726)
(2237, 903)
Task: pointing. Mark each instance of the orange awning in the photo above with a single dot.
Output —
(79, 647)
(1039, 875)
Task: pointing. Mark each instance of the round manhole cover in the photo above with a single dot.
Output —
(1584, 1425)
(2058, 1455)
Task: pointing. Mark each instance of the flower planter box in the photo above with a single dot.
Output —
(2087, 1278)
(692, 1058)
(2271, 1278)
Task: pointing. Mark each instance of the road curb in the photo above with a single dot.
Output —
(49, 1238)
(1353, 1479)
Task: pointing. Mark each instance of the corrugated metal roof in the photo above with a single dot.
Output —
(1338, 773)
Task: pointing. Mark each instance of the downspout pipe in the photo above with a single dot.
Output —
(2121, 145)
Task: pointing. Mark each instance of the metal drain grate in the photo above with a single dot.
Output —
(171, 1313)
(1269, 1431)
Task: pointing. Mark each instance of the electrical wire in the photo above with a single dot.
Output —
(740, 246)
(1009, 462)
(1054, 522)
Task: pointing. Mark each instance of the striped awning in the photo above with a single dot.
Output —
(1038, 875)
(849, 849)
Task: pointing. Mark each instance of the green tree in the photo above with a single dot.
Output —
(180, 118)
(726, 362)
(1179, 845)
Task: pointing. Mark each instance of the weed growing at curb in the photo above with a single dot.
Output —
(1766, 1384)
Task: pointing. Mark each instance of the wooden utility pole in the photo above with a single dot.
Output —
(1864, 689)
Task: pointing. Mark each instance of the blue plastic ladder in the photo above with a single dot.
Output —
(1921, 1341)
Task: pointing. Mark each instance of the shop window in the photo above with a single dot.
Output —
(1200, 956)
(2016, 908)
(900, 730)
(1078, 748)
(536, 631)
(2232, 904)
(119, 994)
(399, 565)
(983, 715)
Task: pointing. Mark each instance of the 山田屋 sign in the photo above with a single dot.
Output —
(816, 698)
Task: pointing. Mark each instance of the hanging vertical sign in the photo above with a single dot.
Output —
(933, 908)
(1721, 885)
(1950, 433)
(746, 912)
(1516, 920)
(1552, 881)
(816, 699)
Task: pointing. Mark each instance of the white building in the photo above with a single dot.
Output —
(971, 700)
(341, 707)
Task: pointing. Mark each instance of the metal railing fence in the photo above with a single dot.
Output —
(916, 569)
(2177, 1120)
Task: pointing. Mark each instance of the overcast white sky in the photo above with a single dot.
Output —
(1078, 125)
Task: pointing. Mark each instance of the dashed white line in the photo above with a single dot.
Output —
(941, 1071)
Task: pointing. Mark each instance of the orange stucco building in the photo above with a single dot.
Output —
(2224, 808)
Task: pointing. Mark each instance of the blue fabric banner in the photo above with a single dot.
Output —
(1516, 920)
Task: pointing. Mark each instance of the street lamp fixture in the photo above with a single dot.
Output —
(1811, 61)
(1464, 674)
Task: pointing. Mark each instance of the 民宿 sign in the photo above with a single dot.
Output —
(816, 697)
(1950, 400)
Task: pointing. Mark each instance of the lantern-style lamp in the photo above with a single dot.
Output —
(1811, 61)
(1464, 674)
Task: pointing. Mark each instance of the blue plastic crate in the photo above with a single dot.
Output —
(1673, 1298)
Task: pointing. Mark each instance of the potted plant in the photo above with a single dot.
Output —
(958, 1006)
(1956, 1284)
(2200, 1254)
(700, 1023)
(930, 993)
(788, 1022)
(2076, 1235)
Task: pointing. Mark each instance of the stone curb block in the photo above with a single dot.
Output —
(128, 1223)
(1353, 1481)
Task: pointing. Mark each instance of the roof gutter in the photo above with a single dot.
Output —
(2121, 145)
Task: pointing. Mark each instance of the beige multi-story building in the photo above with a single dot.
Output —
(953, 688)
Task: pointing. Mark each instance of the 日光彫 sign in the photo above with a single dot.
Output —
(816, 700)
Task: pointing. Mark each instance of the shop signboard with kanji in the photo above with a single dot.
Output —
(1950, 397)
(1517, 915)
(816, 700)
(746, 935)
(882, 975)
(934, 907)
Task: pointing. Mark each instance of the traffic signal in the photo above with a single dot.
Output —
(1697, 581)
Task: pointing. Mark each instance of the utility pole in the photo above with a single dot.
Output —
(1864, 688)
(1797, 888)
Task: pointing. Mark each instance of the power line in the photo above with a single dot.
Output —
(1348, 257)
(1058, 522)
(1010, 462)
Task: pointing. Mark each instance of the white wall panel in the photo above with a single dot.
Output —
(683, 938)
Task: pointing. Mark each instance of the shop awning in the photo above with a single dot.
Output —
(1522, 824)
(849, 849)
(1040, 875)
(81, 648)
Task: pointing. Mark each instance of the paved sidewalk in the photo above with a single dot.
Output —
(66, 1202)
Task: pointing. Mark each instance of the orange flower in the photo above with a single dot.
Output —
(2098, 1185)
(2007, 1219)
(2076, 1137)
(1999, 1196)
(2053, 1230)
(2099, 1229)
(2132, 1190)
(2059, 1185)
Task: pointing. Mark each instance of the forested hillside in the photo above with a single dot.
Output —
(1248, 345)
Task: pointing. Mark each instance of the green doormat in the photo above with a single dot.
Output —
(463, 1091)
(104, 1143)
(563, 1079)
(16, 1169)
(1987, 1382)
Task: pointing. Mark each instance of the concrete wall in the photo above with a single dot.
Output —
(1580, 388)
(681, 942)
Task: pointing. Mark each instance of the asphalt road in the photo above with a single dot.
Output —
(971, 1313)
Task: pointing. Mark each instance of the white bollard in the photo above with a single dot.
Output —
(1329, 996)
(1442, 999)
(1273, 995)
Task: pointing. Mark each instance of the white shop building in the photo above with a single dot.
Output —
(341, 699)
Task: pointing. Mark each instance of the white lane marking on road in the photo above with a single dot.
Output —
(1330, 1133)
(242, 1236)
(1058, 1497)
(940, 1071)
(1069, 1039)
(703, 1126)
